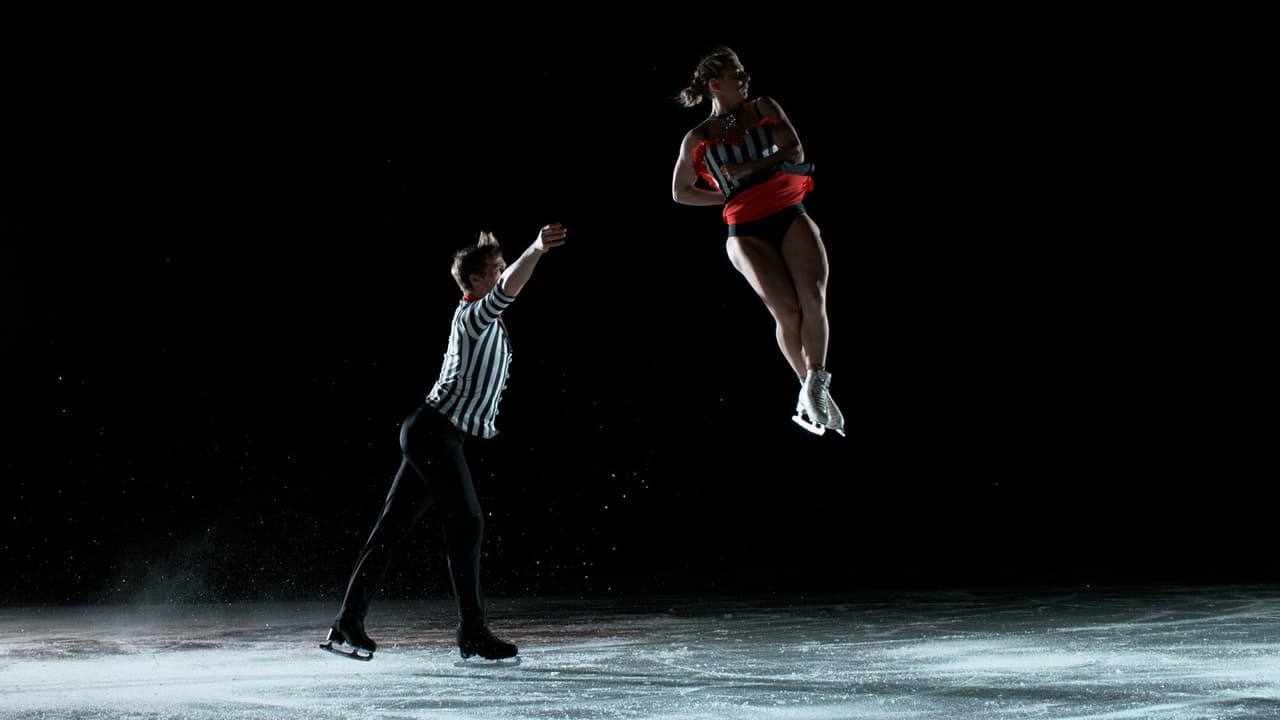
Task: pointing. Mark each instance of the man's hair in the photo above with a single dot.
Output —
(473, 259)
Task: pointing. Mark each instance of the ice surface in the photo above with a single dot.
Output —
(1169, 653)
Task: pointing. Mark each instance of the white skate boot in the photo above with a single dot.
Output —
(836, 422)
(814, 396)
(801, 418)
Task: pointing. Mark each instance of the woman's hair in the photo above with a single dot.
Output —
(709, 67)
(473, 259)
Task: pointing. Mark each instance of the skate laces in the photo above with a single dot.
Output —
(817, 391)
(837, 417)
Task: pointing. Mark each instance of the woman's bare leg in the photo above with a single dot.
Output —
(766, 271)
(806, 259)
(806, 262)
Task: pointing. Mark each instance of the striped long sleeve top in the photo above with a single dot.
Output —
(474, 372)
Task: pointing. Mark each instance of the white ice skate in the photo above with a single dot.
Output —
(816, 408)
(801, 418)
(814, 397)
(836, 422)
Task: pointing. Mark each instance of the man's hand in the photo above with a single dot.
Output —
(518, 272)
(550, 236)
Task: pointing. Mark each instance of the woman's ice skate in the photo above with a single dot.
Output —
(815, 410)
(836, 422)
(801, 418)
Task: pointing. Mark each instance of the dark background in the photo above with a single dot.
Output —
(225, 282)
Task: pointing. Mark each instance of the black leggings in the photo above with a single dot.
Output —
(433, 471)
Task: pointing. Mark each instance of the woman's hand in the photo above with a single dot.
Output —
(734, 171)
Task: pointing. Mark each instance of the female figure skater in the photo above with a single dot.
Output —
(748, 153)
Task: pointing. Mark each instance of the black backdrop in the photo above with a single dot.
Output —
(225, 283)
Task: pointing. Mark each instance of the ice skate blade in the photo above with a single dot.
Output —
(477, 662)
(347, 651)
(812, 427)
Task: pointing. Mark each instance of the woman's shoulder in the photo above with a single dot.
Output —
(766, 106)
(698, 133)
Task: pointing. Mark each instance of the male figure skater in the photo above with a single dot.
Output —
(434, 471)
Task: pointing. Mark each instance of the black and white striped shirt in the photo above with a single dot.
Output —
(474, 372)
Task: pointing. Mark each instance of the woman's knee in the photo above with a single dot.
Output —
(812, 291)
(779, 296)
(809, 276)
(786, 311)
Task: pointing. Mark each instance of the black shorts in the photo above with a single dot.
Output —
(771, 228)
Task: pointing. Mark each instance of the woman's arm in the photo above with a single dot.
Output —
(785, 140)
(784, 134)
(684, 178)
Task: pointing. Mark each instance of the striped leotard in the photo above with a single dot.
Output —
(757, 195)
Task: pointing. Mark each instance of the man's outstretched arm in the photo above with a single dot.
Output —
(519, 272)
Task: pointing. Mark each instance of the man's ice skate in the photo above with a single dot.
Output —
(801, 418)
(479, 641)
(349, 639)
